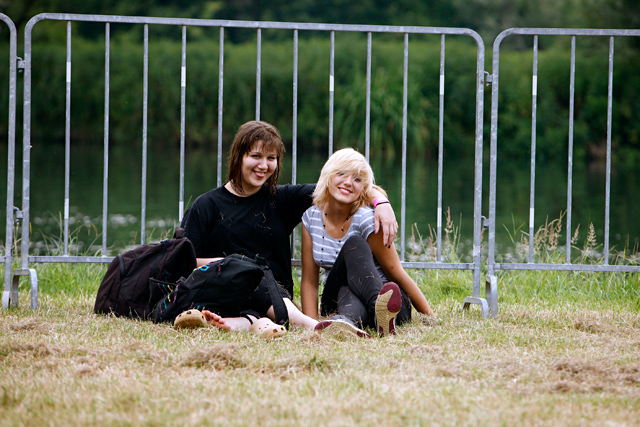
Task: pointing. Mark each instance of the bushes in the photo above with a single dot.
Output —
(126, 89)
(591, 80)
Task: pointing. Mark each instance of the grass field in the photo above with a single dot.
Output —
(564, 350)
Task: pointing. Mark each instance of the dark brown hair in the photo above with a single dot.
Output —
(246, 137)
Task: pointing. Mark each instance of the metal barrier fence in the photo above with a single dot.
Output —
(492, 265)
(295, 28)
(10, 294)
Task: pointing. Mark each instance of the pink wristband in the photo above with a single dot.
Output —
(377, 202)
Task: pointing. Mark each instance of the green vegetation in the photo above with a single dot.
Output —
(48, 115)
(563, 351)
(488, 18)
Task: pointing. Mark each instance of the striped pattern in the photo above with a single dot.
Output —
(326, 248)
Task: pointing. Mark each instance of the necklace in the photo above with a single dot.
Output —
(324, 226)
(324, 232)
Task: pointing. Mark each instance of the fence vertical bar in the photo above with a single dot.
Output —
(331, 88)
(220, 104)
(26, 149)
(572, 91)
(183, 98)
(608, 167)
(367, 125)
(491, 289)
(440, 152)
(294, 134)
(67, 143)
(105, 172)
(258, 70)
(26, 180)
(534, 104)
(493, 157)
(405, 84)
(145, 114)
(11, 156)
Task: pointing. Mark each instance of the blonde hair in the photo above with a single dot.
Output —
(349, 162)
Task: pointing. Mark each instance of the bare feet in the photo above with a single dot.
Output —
(296, 317)
(227, 323)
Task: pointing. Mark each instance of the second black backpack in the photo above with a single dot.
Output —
(223, 287)
(130, 286)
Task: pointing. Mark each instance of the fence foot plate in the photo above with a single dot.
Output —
(6, 299)
(10, 298)
(491, 294)
(480, 301)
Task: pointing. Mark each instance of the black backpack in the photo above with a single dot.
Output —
(130, 286)
(223, 287)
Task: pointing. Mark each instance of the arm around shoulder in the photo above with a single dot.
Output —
(384, 216)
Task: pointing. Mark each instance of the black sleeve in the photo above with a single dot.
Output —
(197, 223)
(295, 199)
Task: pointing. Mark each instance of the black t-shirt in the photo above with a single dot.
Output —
(220, 223)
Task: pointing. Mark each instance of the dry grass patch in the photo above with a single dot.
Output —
(217, 357)
(579, 375)
(534, 365)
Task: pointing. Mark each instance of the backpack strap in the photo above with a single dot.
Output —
(178, 233)
(163, 250)
(279, 307)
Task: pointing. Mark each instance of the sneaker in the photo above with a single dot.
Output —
(340, 327)
(388, 306)
(190, 319)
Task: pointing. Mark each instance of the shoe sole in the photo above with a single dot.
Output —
(265, 328)
(388, 306)
(339, 327)
(190, 319)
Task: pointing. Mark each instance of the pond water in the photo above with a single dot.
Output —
(124, 211)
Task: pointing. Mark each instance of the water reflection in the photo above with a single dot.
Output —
(512, 203)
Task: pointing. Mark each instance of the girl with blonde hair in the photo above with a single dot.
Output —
(366, 284)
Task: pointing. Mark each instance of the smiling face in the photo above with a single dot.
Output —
(258, 165)
(347, 178)
(255, 139)
(345, 187)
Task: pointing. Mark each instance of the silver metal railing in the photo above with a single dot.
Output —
(488, 304)
(531, 264)
(11, 293)
(332, 29)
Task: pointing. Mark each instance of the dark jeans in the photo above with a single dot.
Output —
(353, 285)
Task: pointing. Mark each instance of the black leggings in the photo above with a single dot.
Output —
(353, 285)
(261, 300)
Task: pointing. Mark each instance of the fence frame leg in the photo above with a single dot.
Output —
(491, 294)
(10, 298)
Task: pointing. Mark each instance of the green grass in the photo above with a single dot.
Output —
(564, 350)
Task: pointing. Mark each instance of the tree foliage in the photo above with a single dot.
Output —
(488, 17)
